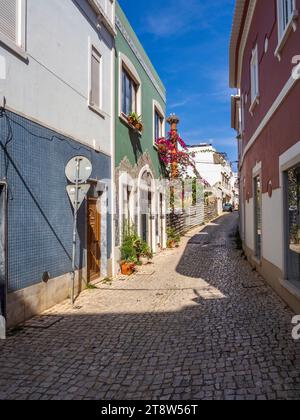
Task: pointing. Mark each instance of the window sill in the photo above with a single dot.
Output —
(97, 111)
(254, 104)
(123, 118)
(19, 51)
(292, 26)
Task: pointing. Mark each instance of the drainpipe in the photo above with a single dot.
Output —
(3, 299)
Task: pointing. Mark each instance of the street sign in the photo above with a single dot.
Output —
(82, 193)
(78, 170)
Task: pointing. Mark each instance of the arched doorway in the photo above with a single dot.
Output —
(146, 210)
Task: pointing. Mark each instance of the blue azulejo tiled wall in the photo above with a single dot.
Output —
(40, 217)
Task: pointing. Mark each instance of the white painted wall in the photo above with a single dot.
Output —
(211, 171)
(53, 87)
(272, 228)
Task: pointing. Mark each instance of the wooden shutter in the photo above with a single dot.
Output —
(95, 79)
(8, 19)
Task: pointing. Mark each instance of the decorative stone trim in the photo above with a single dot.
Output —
(134, 171)
(136, 52)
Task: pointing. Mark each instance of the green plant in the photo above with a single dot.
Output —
(146, 251)
(91, 286)
(133, 247)
(128, 250)
(173, 236)
(295, 234)
(135, 120)
(142, 249)
(107, 281)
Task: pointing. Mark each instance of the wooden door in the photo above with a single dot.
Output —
(93, 240)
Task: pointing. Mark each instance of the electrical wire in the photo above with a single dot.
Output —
(10, 120)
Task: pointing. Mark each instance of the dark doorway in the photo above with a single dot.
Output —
(293, 211)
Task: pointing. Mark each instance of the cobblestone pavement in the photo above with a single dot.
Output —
(197, 324)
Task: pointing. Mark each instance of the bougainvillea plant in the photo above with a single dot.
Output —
(175, 155)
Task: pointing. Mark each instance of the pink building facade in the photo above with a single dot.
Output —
(265, 70)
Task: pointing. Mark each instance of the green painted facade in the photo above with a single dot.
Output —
(129, 143)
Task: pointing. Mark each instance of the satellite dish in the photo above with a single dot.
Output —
(79, 169)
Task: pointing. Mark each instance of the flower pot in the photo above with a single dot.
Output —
(139, 126)
(171, 244)
(127, 268)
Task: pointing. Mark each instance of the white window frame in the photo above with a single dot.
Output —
(284, 30)
(254, 74)
(157, 108)
(19, 47)
(102, 14)
(97, 109)
(124, 62)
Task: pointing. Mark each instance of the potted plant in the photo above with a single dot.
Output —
(128, 251)
(127, 268)
(173, 238)
(147, 254)
(136, 121)
(143, 252)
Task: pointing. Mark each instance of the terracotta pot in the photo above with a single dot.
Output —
(127, 268)
(171, 244)
(139, 126)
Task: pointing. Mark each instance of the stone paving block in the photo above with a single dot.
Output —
(189, 331)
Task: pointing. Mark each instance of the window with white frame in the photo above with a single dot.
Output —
(109, 9)
(286, 10)
(129, 93)
(158, 124)
(254, 76)
(130, 89)
(95, 93)
(158, 121)
(12, 23)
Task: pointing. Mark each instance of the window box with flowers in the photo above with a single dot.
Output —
(135, 121)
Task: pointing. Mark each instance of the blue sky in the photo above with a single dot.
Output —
(187, 41)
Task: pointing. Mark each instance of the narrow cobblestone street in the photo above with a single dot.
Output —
(197, 324)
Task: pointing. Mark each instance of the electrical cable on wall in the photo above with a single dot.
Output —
(10, 120)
